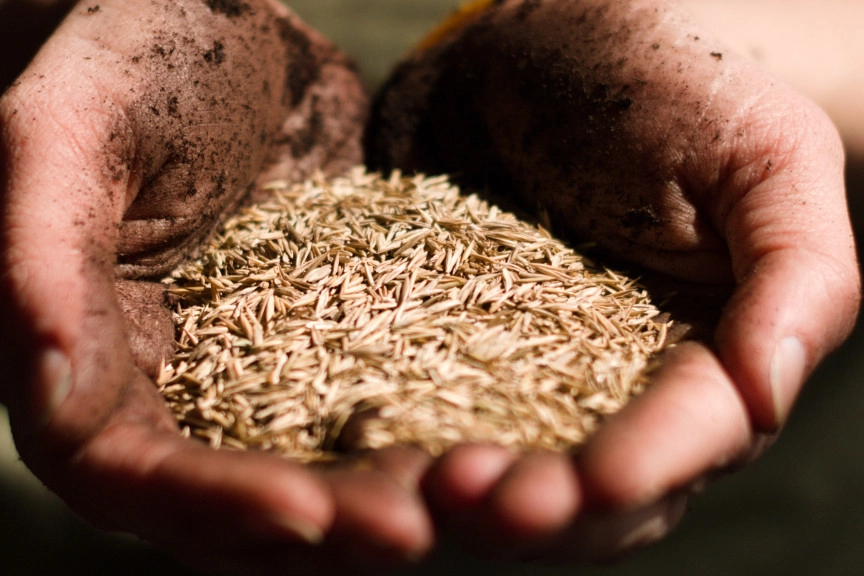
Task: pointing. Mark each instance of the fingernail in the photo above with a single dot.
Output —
(787, 375)
(648, 532)
(651, 528)
(299, 529)
(54, 373)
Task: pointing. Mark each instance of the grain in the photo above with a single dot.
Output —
(367, 311)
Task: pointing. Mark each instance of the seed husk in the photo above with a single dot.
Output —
(368, 311)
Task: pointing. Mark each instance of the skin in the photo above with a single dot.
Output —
(96, 196)
(634, 127)
(122, 144)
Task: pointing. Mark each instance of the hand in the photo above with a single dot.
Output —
(133, 130)
(631, 126)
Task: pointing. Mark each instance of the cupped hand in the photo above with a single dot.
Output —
(629, 125)
(129, 135)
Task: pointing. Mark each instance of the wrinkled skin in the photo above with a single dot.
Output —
(137, 126)
(141, 123)
(630, 126)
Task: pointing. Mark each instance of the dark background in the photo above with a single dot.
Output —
(798, 511)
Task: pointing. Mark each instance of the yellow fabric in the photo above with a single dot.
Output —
(458, 20)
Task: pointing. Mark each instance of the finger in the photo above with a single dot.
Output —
(379, 521)
(692, 421)
(539, 495)
(490, 495)
(139, 477)
(785, 218)
(63, 328)
(608, 537)
(460, 481)
(457, 488)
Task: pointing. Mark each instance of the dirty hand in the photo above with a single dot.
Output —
(137, 125)
(630, 126)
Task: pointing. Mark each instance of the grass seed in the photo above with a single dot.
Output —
(367, 311)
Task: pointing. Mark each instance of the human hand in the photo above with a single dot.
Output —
(128, 136)
(632, 127)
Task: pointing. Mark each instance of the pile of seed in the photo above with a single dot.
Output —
(367, 311)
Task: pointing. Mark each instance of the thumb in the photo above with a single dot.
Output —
(794, 259)
(63, 196)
